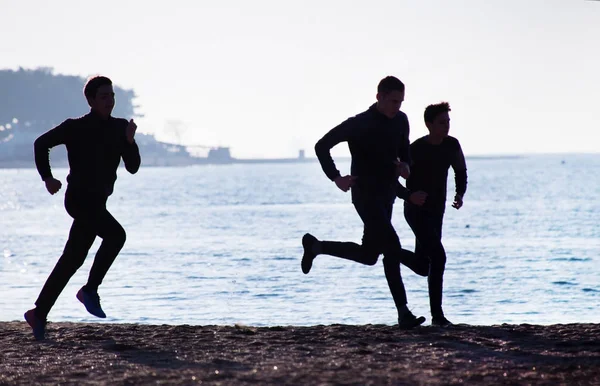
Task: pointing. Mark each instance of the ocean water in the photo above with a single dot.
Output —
(221, 245)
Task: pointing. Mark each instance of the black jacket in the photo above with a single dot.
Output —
(94, 148)
(375, 142)
(429, 170)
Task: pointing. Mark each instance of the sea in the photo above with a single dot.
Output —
(221, 244)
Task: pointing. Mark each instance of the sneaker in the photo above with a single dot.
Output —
(409, 321)
(91, 301)
(37, 325)
(440, 321)
(308, 241)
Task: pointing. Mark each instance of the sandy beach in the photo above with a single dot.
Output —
(76, 353)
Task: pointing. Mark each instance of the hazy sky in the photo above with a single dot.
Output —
(270, 77)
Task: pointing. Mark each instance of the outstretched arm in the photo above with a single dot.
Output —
(131, 152)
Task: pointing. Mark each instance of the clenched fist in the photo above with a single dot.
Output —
(418, 198)
(458, 202)
(52, 185)
(130, 131)
(402, 169)
(345, 183)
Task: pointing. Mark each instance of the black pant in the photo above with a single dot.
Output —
(379, 237)
(427, 227)
(90, 219)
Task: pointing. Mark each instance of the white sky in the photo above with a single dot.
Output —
(270, 77)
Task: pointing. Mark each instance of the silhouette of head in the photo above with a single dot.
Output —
(437, 119)
(390, 95)
(100, 96)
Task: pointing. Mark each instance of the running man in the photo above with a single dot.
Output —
(95, 145)
(379, 146)
(432, 156)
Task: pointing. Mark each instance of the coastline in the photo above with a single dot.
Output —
(150, 161)
(84, 353)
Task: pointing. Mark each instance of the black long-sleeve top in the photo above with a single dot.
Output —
(95, 147)
(375, 142)
(429, 170)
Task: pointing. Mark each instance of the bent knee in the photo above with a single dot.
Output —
(371, 260)
(121, 236)
(438, 257)
(438, 264)
(369, 256)
(117, 237)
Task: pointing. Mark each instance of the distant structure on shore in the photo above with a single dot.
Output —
(222, 155)
(35, 100)
(16, 150)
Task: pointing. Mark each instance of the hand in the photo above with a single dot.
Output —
(130, 131)
(417, 198)
(52, 185)
(345, 182)
(402, 169)
(458, 202)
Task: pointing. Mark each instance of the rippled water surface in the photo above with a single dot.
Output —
(221, 244)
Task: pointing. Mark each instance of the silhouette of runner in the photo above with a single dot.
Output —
(432, 156)
(95, 145)
(379, 146)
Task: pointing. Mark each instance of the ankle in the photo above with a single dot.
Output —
(403, 311)
(89, 289)
(437, 315)
(39, 314)
(316, 248)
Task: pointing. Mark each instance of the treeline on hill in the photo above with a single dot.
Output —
(36, 100)
(39, 96)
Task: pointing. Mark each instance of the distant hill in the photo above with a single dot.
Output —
(34, 101)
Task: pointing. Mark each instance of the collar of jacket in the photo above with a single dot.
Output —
(97, 118)
(378, 114)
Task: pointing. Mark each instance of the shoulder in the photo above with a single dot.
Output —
(402, 116)
(452, 142)
(401, 122)
(120, 123)
(78, 121)
(70, 122)
(82, 118)
(419, 142)
(359, 120)
(363, 116)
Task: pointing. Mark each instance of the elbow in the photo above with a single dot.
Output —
(132, 162)
(133, 169)
(320, 148)
(37, 145)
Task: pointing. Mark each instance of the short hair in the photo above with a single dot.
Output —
(432, 111)
(389, 84)
(93, 84)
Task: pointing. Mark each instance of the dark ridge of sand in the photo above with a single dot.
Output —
(76, 353)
